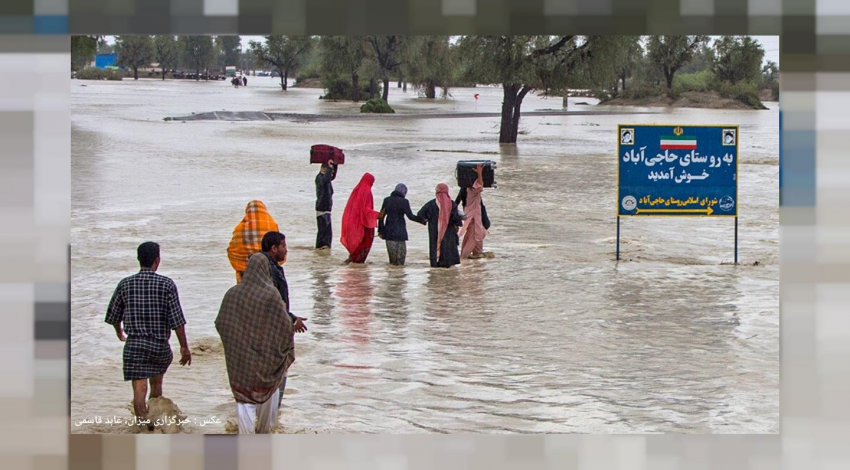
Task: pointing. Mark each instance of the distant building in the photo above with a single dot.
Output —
(103, 61)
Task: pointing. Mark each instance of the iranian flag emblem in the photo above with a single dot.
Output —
(678, 142)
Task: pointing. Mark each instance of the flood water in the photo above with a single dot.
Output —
(551, 335)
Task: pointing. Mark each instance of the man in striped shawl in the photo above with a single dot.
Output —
(257, 335)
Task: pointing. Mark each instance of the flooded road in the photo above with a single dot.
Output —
(551, 335)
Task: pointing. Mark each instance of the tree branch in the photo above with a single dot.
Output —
(553, 48)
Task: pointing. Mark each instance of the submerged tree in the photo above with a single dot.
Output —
(525, 63)
(671, 53)
(428, 63)
(344, 55)
(197, 52)
(388, 53)
(134, 52)
(165, 52)
(284, 53)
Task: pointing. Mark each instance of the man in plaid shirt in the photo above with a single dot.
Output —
(148, 306)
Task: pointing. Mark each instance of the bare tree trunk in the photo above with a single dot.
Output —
(284, 74)
(135, 72)
(404, 87)
(163, 73)
(198, 75)
(566, 103)
(355, 87)
(430, 90)
(669, 76)
(399, 83)
(386, 94)
(624, 80)
(508, 100)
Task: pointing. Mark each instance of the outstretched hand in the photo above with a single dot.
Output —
(299, 326)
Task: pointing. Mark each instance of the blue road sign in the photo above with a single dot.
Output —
(666, 170)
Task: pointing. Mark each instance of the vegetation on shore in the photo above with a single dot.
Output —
(687, 71)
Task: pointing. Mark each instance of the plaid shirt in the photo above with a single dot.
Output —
(148, 305)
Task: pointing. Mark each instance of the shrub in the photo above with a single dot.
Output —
(637, 92)
(376, 105)
(744, 92)
(339, 88)
(700, 81)
(94, 73)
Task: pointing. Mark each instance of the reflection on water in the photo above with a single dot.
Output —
(551, 335)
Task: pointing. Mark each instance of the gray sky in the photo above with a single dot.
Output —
(769, 43)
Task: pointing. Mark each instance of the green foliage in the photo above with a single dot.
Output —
(94, 73)
(284, 53)
(376, 105)
(737, 58)
(429, 63)
(702, 60)
(642, 91)
(196, 52)
(83, 50)
(671, 53)
(745, 92)
(338, 87)
(229, 47)
(770, 79)
(703, 81)
(165, 51)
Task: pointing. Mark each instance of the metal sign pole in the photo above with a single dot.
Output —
(618, 238)
(736, 239)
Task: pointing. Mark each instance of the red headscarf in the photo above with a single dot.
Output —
(444, 203)
(359, 213)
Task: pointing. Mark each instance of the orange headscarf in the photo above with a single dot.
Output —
(359, 213)
(248, 236)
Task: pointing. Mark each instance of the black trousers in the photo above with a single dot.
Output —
(325, 234)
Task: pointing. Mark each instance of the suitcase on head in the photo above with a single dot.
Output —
(466, 175)
(321, 153)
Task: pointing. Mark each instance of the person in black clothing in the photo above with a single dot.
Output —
(274, 247)
(443, 220)
(394, 230)
(244, 80)
(324, 203)
(461, 200)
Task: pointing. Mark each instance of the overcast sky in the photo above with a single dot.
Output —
(769, 43)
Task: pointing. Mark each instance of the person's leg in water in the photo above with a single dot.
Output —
(140, 389)
(156, 386)
(324, 234)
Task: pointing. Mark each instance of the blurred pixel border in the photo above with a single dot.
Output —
(814, 52)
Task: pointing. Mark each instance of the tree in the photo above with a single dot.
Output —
(627, 67)
(701, 60)
(284, 53)
(165, 52)
(671, 53)
(231, 47)
(428, 63)
(104, 47)
(134, 52)
(770, 78)
(737, 58)
(524, 63)
(387, 52)
(83, 50)
(197, 52)
(344, 55)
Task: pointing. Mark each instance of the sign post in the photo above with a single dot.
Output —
(677, 171)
